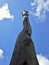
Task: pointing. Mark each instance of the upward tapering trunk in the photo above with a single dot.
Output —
(27, 26)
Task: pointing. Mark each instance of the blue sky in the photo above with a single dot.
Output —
(11, 23)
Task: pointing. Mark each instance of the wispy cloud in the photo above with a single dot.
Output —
(1, 53)
(42, 60)
(5, 13)
(39, 8)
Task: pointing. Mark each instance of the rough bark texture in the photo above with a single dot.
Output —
(24, 51)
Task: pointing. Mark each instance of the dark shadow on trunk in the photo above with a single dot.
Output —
(25, 63)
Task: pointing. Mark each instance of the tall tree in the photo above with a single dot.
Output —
(24, 51)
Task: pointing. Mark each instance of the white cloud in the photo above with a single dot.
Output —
(42, 60)
(39, 8)
(5, 13)
(1, 53)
